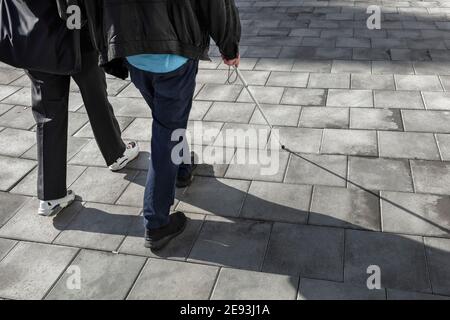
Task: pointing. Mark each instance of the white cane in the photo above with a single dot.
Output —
(258, 105)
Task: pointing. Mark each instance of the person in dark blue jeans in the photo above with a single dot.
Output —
(167, 83)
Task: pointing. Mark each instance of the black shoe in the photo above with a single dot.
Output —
(183, 182)
(159, 238)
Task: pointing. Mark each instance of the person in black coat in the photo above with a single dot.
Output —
(50, 78)
(160, 43)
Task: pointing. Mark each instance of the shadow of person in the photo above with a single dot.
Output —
(235, 229)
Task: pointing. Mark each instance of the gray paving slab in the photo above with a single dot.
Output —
(261, 165)
(233, 284)
(408, 145)
(304, 97)
(317, 170)
(304, 140)
(278, 115)
(5, 108)
(322, 117)
(20, 97)
(199, 109)
(350, 98)
(5, 247)
(437, 100)
(254, 78)
(103, 276)
(86, 131)
(74, 145)
(401, 260)
(9, 75)
(277, 202)
(134, 194)
(372, 82)
(27, 225)
(443, 141)
(438, 259)
(319, 66)
(222, 197)
(11, 203)
(418, 214)
(77, 121)
(349, 66)
(99, 226)
(212, 76)
(380, 174)
(431, 67)
(30, 269)
(28, 186)
(139, 130)
(6, 91)
(231, 243)
(206, 133)
(431, 176)
(410, 295)
(216, 92)
(288, 79)
(102, 185)
(308, 251)
(18, 118)
(345, 208)
(268, 64)
(230, 112)
(89, 155)
(417, 82)
(349, 142)
(214, 161)
(311, 289)
(376, 119)
(426, 121)
(130, 92)
(329, 80)
(164, 279)
(398, 99)
(177, 249)
(13, 170)
(130, 107)
(15, 142)
(267, 95)
(392, 67)
(234, 135)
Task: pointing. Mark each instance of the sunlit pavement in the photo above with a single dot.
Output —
(367, 199)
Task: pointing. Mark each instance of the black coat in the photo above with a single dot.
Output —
(33, 36)
(123, 28)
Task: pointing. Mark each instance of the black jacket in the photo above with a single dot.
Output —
(122, 28)
(34, 37)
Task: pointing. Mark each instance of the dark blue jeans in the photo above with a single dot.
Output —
(169, 96)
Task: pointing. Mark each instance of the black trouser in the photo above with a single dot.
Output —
(50, 98)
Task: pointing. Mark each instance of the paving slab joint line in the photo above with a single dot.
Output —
(61, 274)
(216, 280)
(133, 285)
(427, 265)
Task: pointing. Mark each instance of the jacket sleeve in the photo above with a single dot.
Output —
(222, 20)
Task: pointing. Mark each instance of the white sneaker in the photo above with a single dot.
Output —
(131, 153)
(53, 207)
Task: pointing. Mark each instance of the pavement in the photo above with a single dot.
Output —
(365, 199)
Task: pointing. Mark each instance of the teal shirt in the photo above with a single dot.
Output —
(157, 63)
